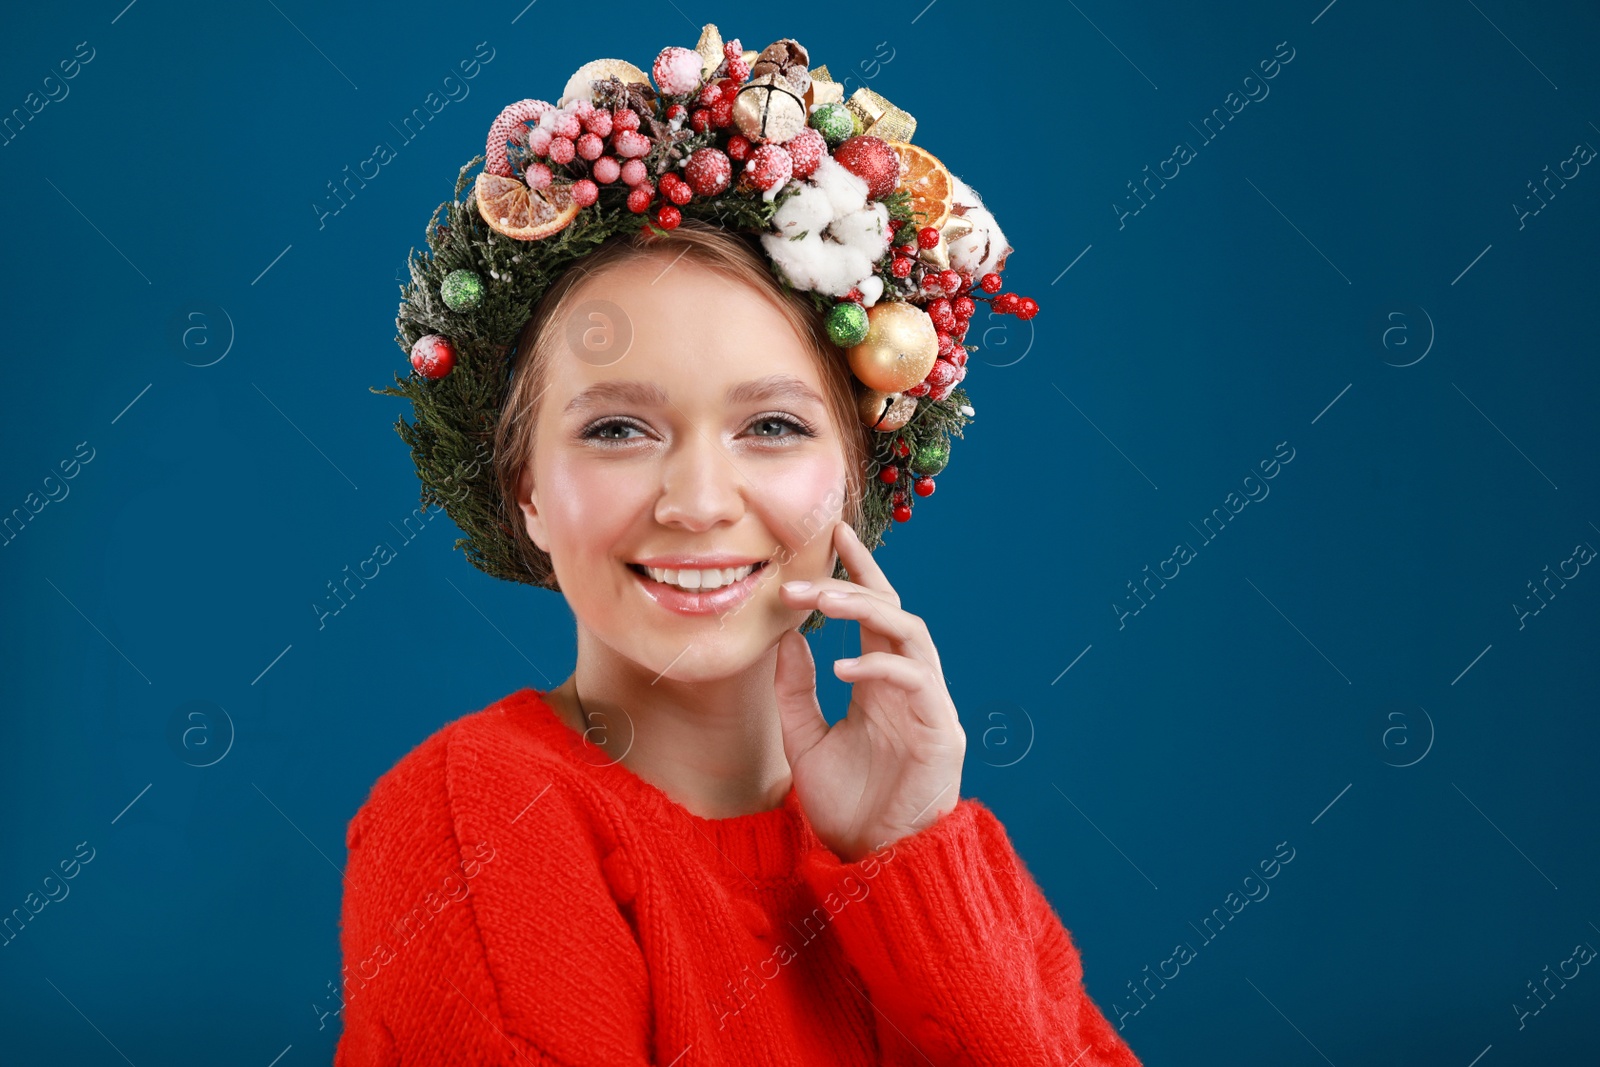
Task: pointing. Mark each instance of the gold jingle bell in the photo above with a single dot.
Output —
(885, 411)
(767, 109)
(899, 350)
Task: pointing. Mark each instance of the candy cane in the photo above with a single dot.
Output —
(509, 119)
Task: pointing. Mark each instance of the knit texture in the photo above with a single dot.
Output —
(512, 897)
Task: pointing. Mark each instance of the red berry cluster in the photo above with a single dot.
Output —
(949, 299)
(900, 504)
(607, 141)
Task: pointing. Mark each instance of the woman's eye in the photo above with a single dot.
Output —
(600, 431)
(800, 429)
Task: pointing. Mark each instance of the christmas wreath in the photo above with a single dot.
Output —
(882, 237)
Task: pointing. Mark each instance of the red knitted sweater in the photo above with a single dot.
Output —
(513, 898)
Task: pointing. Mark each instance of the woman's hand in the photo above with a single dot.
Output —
(892, 765)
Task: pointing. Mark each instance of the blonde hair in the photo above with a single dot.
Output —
(734, 255)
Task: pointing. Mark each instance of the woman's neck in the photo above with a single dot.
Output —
(714, 747)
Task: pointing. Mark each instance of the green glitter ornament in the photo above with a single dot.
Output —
(930, 458)
(847, 324)
(834, 122)
(462, 290)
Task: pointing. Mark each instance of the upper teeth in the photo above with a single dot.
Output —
(700, 579)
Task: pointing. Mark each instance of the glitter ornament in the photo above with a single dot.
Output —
(833, 121)
(847, 324)
(873, 161)
(930, 458)
(900, 348)
(806, 148)
(461, 290)
(676, 70)
(768, 167)
(709, 171)
(432, 356)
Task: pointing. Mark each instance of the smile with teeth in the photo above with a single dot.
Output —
(698, 580)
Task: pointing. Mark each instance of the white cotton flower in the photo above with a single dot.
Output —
(981, 250)
(829, 236)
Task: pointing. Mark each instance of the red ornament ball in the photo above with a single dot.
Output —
(433, 356)
(873, 161)
(923, 487)
(807, 149)
(709, 171)
(769, 167)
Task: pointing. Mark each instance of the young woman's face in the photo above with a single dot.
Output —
(705, 447)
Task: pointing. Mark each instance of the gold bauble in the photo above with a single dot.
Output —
(885, 411)
(899, 349)
(767, 109)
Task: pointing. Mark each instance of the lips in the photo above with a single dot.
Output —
(683, 602)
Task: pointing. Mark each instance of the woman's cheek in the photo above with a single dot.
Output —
(807, 500)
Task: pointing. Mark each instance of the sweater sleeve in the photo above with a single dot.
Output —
(462, 917)
(963, 958)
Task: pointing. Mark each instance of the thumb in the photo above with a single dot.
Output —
(795, 684)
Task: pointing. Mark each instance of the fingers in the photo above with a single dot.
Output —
(857, 559)
(841, 600)
(916, 679)
(795, 684)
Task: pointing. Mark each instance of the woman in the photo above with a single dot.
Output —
(671, 857)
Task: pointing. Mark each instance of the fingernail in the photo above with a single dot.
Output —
(797, 587)
(845, 662)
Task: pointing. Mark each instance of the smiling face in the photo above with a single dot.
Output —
(709, 447)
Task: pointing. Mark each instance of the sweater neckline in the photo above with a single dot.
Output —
(761, 846)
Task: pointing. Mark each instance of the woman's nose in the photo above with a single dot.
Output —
(701, 484)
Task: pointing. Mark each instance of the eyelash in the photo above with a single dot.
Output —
(799, 425)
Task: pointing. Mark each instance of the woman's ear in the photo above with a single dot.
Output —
(528, 503)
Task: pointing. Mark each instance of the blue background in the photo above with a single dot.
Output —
(1342, 669)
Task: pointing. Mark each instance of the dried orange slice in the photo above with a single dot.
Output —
(931, 185)
(511, 208)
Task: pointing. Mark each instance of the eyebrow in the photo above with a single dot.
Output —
(644, 394)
